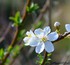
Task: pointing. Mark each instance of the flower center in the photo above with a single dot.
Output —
(44, 39)
(29, 35)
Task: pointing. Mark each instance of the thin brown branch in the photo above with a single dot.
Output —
(59, 38)
(12, 44)
(45, 57)
(43, 10)
(13, 60)
(6, 32)
(49, 10)
(49, 16)
(24, 9)
(16, 35)
(62, 36)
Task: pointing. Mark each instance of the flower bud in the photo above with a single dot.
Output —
(57, 24)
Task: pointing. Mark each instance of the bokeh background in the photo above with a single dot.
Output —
(60, 11)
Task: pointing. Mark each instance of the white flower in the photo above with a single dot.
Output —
(45, 39)
(30, 39)
(41, 39)
(67, 26)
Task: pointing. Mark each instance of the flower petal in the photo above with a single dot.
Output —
(30, 33)
(67, 26)
(38, 31)
(52, 36)
(33, 41)
(47, 30)
(26, 44)
(40, 47)
(49, 47)
(26, 39)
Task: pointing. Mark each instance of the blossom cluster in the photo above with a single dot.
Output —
(42, 39)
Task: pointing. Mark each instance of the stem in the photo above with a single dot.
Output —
(45, 57)
(50, 11)
(12, 45)
(6, 32)
(50, 24)
(21, 47)
(14, 41)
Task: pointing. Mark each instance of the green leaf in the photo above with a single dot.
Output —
(7, 61)
(1, 54)
(17, 19)
(27, 9)
(15, 51)
(49, 54)
(33, 7)
(39, 24)
(40, 59)
(21, 34)
(12, 18)
(9, 48)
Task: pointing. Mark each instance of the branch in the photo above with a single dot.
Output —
(24, 9)
(12, 44)
(14, 41)
(43, 10)
(59, 38)
(13, 60)
(62, 36)
(6, 32)
(49, 10)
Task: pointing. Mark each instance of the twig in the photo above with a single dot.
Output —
(12, 44)
(50, 11)
(24, 9)
(59, 38)
(43, 10)
(45, 57)
(49, 4)
(16, 35)
(6, 32)
(62, 36)
(21, 47)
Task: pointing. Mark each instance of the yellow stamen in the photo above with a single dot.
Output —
(44, 39)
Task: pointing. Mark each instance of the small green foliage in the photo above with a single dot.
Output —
(48, 58)
(40, 59)
(21, 34)
(9, 48)
(15, 50)
(7, 61)
(1, 54)
(17, 19)
(38, 25)
(33, 7)
(49, 54)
